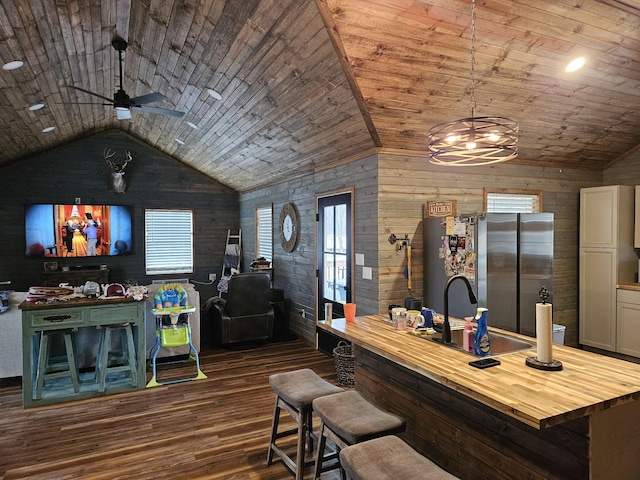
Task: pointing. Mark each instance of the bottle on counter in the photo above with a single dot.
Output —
(468, 337)
(482, 340)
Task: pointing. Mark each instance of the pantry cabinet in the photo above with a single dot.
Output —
(636, 242)
(607, 258)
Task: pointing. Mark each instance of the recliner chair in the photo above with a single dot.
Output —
(245, 315)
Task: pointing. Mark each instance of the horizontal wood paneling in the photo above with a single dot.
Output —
(406, 183)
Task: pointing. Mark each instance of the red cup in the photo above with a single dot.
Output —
(350, 311)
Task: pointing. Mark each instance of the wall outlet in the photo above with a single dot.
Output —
(212, 277)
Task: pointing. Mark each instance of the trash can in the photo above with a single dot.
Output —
(558, 334)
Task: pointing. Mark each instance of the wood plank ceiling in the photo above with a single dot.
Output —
(309, 84)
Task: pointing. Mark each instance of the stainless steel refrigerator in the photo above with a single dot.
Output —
(507, 257)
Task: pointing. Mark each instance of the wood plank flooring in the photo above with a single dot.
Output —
(216, 428)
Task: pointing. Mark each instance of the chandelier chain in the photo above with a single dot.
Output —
(472, 103)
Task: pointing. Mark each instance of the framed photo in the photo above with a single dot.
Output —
(50, 266)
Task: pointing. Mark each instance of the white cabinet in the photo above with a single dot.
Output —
(606, 259)
(637, 233)
(628, 322)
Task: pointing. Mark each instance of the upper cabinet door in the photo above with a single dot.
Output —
(603, 215)
(636, 242)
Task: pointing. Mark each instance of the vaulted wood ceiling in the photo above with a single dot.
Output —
(307, 84)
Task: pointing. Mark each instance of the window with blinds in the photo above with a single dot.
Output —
(513, 202)
(264, 232)
(168, 240)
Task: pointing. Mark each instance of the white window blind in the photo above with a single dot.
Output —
(264, 232)
(513, 203)
(168, 241)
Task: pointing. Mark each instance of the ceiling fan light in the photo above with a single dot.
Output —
(192, 125)
(123, 113)
(36, 106)
(48, 129)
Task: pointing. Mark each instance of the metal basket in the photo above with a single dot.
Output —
(345, 364)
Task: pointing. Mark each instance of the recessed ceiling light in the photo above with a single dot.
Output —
(192, 125)
(12, 65)
(575, 64)
(179, 141)
(214, 94)
(48, 129)
(36, 106)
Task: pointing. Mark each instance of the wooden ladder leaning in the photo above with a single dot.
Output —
(231, 259)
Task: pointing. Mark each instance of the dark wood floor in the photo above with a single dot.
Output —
(214, 428)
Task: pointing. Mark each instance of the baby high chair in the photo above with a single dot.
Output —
(172, 328)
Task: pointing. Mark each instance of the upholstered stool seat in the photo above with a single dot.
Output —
(389, 458)
(49, 368)
(295, 392)
(347, 418)
(125, 359)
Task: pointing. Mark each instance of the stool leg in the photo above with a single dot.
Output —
(322, 441)
(71, 359)
(301, 445)
(99, 354)
(274, 430)
(131, 354)
(104, 357)
(309, 421)
(43, 354)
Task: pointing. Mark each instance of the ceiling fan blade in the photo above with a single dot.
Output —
(110, 100)
(161, 111)
(149, 98)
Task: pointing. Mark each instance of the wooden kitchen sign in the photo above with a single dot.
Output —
(441, 208)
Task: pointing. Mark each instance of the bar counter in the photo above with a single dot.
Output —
(507, 421)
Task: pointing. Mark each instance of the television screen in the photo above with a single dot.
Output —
(77, 230)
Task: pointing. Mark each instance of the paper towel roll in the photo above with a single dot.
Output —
(544, 331)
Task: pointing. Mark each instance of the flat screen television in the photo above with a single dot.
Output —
(77, 230)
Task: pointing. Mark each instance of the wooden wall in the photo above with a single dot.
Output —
(295, 272)
(155, 180)
(406, 183)
(390, 192)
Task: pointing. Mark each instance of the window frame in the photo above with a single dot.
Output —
(163, 250)
(259, 251)
(512, 192)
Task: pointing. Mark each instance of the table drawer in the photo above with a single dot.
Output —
(113, 314)
(57, 317)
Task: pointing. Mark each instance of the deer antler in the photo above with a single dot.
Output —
(127, 160)
(107, 155)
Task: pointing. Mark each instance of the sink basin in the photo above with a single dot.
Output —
(501, 344)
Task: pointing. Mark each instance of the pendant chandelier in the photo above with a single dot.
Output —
(475, 140)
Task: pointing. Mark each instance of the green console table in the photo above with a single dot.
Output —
(77, 314)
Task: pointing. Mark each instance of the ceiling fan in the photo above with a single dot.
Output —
(121, 101)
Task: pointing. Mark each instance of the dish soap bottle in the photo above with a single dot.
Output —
(468, 337)
(482, 341)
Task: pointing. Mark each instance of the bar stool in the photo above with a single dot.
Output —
(347, 418)
(295, 392)
(125, 358)
(389, 458)
(61, 367)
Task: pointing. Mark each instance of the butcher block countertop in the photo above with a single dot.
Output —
(588, 383)
(629, 286)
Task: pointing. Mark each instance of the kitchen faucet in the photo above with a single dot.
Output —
(446, 326)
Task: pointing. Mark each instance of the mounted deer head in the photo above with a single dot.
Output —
(117, 183)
